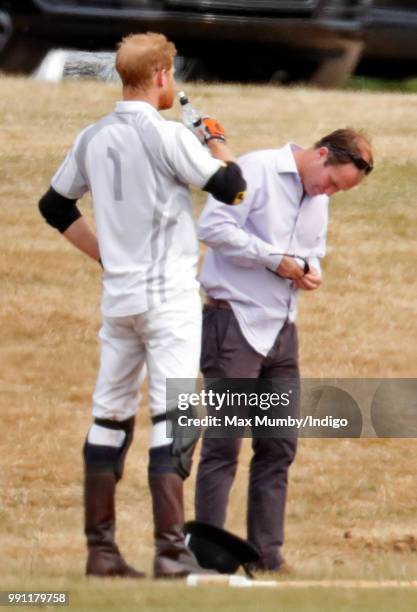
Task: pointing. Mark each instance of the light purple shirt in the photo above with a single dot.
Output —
(246, 242)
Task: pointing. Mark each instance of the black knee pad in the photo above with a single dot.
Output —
(101, 458)
(161, 460)
(175, 457)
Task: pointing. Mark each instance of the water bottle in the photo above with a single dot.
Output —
(191, 118)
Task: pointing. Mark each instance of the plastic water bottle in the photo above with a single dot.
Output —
(191, 117)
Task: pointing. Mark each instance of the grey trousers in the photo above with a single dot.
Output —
(227, 354)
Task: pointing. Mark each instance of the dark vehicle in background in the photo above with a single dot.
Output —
(391, 39)
(243, 40)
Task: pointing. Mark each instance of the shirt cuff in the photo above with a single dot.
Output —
(271, 261)
(314, 262)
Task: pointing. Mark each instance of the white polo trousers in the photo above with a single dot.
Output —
(165, 342)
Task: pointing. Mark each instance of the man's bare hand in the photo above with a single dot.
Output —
(288, 268)
(310, 281)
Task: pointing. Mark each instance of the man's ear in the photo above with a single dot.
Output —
(323, 153)
(160, 77)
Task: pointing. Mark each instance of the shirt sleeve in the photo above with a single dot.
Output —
(319, 252)
(317, 224)
(222, 229)
(70, 180)
(190, 161)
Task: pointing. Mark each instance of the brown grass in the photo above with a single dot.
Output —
(351, 510)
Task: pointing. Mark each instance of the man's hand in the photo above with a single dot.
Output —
(211, 133)
(309, 282)
(213, 130)
(288, 268)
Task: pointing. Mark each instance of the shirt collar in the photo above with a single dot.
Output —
(134, 106)
(286, 165)
(285, 161)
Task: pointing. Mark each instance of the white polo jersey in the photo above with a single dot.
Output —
(137, 167)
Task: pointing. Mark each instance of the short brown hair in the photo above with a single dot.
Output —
(139, 56)
(345, 143)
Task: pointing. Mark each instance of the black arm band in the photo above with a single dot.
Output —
(58, 211)
(227, 185)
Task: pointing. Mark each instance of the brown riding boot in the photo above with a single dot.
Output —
(104, 558)
(172, 557)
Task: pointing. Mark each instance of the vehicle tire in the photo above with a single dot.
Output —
(22, 54)
(334, 71)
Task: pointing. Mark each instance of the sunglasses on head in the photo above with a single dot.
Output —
(357, 160)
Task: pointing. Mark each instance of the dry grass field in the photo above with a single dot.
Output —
(352, 503)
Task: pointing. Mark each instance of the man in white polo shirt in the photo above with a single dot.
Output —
(137, 167)
(261, 253)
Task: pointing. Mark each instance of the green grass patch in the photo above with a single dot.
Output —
(166, 596)
(364, 83)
